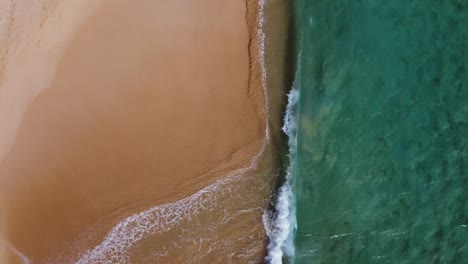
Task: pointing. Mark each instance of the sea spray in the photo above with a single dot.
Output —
(284, 222)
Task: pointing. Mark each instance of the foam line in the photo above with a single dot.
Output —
(283, 220)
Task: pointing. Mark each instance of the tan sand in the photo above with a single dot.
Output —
(143, 103)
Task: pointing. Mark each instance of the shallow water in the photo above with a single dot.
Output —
(381, 174)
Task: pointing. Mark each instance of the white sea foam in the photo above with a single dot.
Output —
(163, 218)
(160, 219)
(284, 219)
(261, 49)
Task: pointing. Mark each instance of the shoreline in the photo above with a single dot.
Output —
(280, 80)
(236, 160)
(257, 78)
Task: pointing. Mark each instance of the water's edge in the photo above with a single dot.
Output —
(281, 230)
(283, 219)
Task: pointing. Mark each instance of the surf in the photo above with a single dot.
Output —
(281, 229)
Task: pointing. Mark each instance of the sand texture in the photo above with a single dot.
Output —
(108, 108)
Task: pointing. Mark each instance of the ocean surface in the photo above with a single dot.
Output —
(379, 158)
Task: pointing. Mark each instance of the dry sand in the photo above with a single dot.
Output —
(107, 108)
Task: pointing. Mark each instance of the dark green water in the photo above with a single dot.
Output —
(382, 158)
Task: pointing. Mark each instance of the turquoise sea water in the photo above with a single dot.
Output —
(381, 169)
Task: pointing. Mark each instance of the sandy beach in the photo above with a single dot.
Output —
(114, 107)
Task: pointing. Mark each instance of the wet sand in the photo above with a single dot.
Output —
(116, 107)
